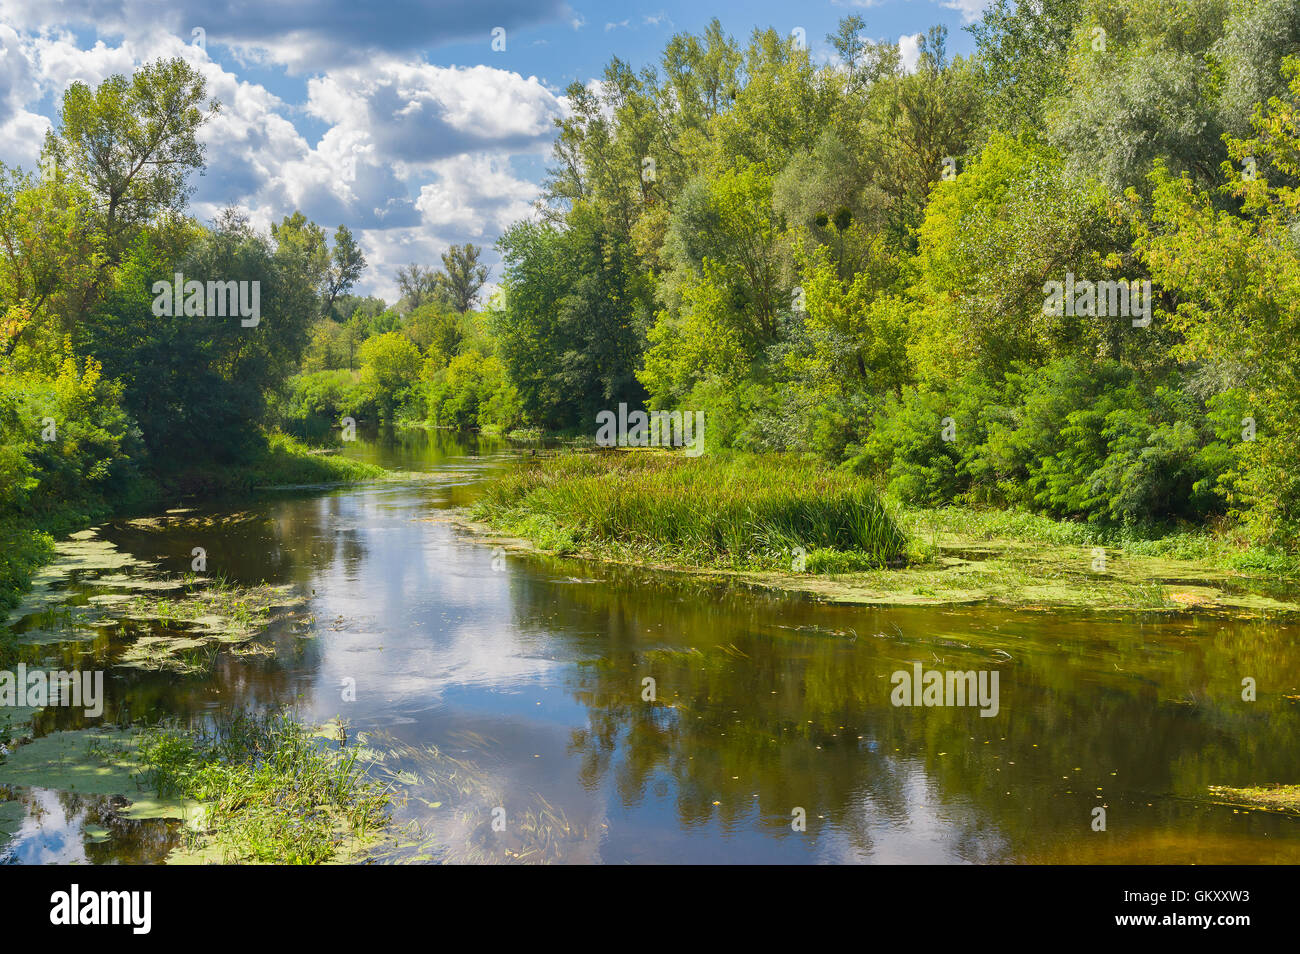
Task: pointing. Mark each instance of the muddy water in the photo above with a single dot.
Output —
(510, 689)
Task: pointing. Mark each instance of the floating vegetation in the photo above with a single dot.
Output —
(272, 792)
(82, 556)
(1276, 798)
(96, 593)
(203, 618)
(188, 519)
(249, 790)
(100, 761)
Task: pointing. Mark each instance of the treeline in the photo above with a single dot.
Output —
(138, 347)
(937, 276)
(428, 359)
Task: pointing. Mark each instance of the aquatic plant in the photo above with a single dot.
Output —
(275, 792)
(738, 510)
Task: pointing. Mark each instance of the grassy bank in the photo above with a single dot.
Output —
(744, 516)
(738, 511)
(1223, 545)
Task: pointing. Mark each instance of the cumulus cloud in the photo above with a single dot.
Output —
(413, 157)
(418, 113)
(303, 35)
(476, 195)
(909, 50)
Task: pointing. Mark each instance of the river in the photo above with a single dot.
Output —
(513, 689)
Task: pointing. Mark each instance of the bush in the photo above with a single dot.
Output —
(472, 392)
(1071, 438)
(53, 485)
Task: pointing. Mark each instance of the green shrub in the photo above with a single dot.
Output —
(1094, 441)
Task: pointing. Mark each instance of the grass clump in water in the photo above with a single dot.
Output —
(275, 793)
(737, 510)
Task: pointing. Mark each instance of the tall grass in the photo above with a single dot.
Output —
(275, 793)
(736, 510)
(1224, 544)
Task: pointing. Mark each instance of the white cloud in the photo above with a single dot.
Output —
(421, 113)
(478, 195)
(909, 49)
(306, 36)
(970, 10)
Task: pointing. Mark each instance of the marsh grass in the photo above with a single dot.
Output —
(275, 793)
(734, 510)
(1224, 545)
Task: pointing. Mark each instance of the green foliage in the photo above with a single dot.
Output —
(316, 400)
(990, 241)
(1071, 439)
(733, 511)
(283, 461)
(1023, 56)
(473, 392)
(132, 142)
(571, 330)
(66, 440)
(1237, 275)
(838, 259)
(390, 369)
(272, 792)
(66, 457)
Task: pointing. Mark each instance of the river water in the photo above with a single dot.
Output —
(512, 689)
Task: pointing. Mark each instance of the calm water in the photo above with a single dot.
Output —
(515, 683)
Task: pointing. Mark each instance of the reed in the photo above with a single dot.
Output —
(738, 510)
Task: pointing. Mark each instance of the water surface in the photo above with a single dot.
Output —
(510, 686)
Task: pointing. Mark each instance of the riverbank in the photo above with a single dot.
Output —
(27, 540)
(598, 506)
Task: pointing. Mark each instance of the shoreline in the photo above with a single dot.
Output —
(1010, 572)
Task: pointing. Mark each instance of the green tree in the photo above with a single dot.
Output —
(462, 276)
(390, 368)
(133, 141)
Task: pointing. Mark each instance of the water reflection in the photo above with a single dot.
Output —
(518, 691)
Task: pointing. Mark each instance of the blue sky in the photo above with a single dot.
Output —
(396, 118)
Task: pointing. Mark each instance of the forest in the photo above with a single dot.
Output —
(1058, 275)
(871, 264)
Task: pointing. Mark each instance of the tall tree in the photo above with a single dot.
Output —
(462, 276)
(418, 285)
(133, 143)
(347, 262)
